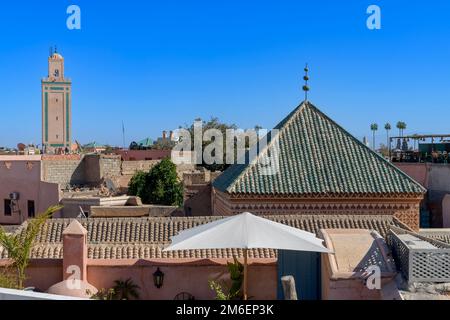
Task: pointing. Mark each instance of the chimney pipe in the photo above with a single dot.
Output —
(75, 251)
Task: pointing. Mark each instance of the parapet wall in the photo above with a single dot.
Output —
(63, 172)
(131, 167)
(435, 177)
(91, 169)
(199, 177)
(180, 275)
(79, 170)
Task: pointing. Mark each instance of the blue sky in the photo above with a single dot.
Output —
(160, 64)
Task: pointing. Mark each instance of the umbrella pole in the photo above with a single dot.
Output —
(245, 274)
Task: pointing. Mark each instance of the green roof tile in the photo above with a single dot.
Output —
(317, 156)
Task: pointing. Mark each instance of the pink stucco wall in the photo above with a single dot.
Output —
(347, 288)
(446, 211)
(43, 273)
(23, 174)
(179, 275)
(189, 275)
(417, 171)
(433, 176)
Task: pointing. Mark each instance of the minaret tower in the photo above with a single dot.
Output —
(56, 106)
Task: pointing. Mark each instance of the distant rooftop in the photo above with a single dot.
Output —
(144, 238)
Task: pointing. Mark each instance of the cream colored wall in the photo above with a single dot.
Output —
(56, 117)
(58, 90)
(54, 64)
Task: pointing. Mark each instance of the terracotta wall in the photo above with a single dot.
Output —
(49, 195)
(351, 288)
(43, 273)
(404, 209)
(186, 275)
(22, 174)
(435, 177)
(417, 171)
(136, 155)
(197, 200)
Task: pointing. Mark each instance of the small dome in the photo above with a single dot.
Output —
(57, 56)
(86, 290)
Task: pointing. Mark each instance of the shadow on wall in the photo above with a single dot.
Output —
(180, 276)
(86, 170)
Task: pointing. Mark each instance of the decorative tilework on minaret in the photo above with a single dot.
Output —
(56, 106)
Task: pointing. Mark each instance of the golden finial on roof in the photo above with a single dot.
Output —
(306, 78)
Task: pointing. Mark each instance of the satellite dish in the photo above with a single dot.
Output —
(21, 147)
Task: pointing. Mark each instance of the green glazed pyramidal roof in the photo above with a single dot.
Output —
(317, 157)
(147, 142)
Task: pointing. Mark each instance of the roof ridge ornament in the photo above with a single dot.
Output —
(306, 78)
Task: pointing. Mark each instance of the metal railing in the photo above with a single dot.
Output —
(420, 265)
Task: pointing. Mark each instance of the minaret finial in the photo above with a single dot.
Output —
(56, 49)
(306, 78)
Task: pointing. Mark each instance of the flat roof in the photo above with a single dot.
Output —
(36, 157)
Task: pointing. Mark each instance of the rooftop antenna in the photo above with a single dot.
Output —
(306, 78)
(123, 135)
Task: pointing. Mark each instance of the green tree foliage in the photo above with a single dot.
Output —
(125, 290)
(163, 145)
(387, 127)
(218, 289)
(236, 272)
(19, 245)
(136, 186)
(8, 278)
(401, 126)
(212, 123)
(215, 123)
(102, 294)
(158, 186)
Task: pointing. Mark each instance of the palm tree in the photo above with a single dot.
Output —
(373, 127)
(19, 245)
(401, 126)
(387, 127)
(124, 290)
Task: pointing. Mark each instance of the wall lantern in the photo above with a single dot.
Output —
(158, 278)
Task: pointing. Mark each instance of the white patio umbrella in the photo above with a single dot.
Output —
(246, 231)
